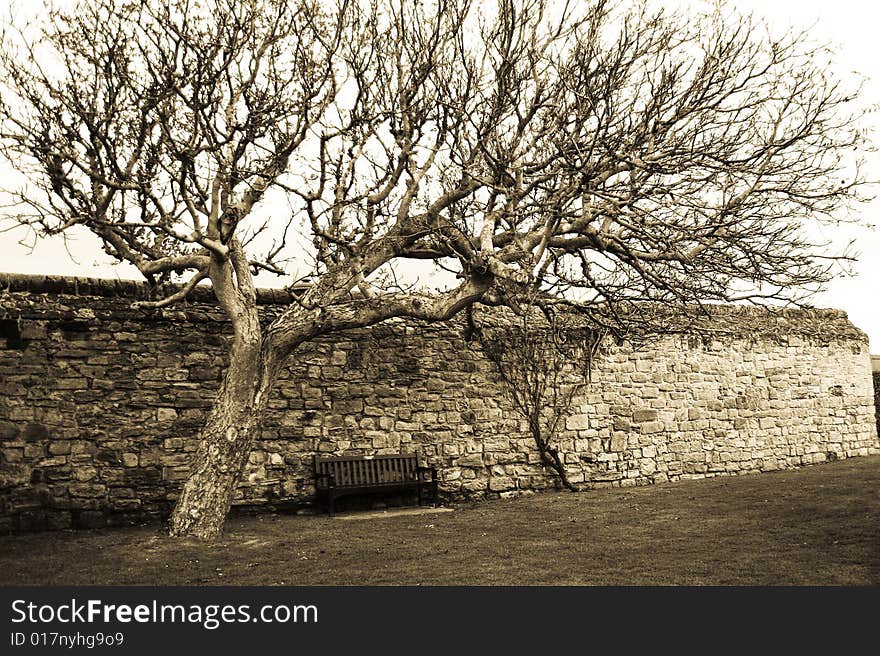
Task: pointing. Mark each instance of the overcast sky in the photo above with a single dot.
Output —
(851, 25)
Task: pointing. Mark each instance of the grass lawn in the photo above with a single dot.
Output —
(818, 525)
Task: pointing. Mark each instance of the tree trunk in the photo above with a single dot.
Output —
(225, 441)
(549, 455)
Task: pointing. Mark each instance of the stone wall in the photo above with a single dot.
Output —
(100, 404)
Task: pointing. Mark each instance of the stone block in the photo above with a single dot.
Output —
(501, 483)
(12, 455)
(87, 490)
(71, 384)
(34, 432)
(166, 414)
(644, 414)
(9, 430)
(474, 485)
(577, 422)
(496, 443)
(59, 447)
(174, 474)
(652, 427)
(348, 406)
(34, 450)
(470, 460)
(203, 373)
(32, 330)
(84, 473)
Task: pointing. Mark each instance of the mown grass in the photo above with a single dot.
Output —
(818, 525)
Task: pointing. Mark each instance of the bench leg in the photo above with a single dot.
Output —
(330, 509)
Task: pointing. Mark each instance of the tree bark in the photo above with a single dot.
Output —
(225, 442)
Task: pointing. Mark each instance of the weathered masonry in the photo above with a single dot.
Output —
(100, 404)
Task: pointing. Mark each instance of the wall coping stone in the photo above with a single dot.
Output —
(114, 288)
(744, 321)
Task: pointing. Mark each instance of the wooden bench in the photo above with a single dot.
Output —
(340, 476)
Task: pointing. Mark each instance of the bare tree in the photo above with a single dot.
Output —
(601, 153)
(544, 364)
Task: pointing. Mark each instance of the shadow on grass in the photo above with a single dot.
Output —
(818, 525)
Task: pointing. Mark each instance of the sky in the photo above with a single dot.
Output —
(850, 26)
